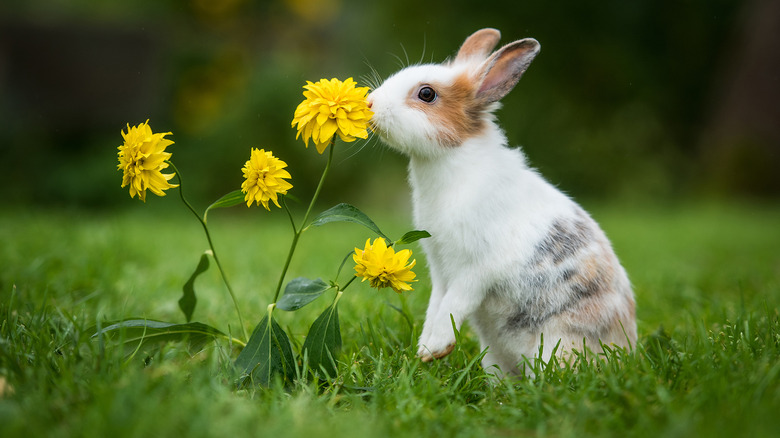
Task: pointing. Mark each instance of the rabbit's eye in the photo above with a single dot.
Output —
(427, 94)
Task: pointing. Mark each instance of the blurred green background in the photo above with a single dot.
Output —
(635, 100)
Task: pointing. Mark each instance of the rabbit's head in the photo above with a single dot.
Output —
(423, 110)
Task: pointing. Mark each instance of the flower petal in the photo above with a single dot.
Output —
(332, 106)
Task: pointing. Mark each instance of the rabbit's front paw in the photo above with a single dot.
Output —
(426, 354)
(435, 344)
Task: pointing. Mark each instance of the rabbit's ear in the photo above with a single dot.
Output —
(500, 73)
(478, 45)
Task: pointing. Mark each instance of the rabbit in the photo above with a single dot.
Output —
(510, 253)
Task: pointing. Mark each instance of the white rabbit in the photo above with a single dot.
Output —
(509, 252)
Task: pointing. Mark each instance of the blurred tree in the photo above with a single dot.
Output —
(740, 147)
(615, 105)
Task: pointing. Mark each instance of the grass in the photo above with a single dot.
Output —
(707, 363)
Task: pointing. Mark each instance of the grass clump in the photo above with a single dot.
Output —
(707, 362)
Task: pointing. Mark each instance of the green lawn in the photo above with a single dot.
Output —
(706, 276)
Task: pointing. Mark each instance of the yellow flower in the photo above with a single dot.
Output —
(263, 181)
(142, 158)
(384, 267)
(332, 107)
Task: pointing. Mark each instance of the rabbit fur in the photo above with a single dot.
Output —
(510, 253)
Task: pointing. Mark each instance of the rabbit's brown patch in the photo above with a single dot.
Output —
(455, 114)
(602, 310)
(603, 320)
(594, 275)
(570, 274)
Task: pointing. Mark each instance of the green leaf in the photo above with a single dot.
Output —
(300, 292)
(412, 236)
(233, 198)
(347, 213)
(323, 342)
(143, 334)
(188, 300)
(267, 353)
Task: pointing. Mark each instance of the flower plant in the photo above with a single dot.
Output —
(331, 109)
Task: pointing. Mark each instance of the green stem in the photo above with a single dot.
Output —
(302, 228)
(294, 243)
(213, 251)
(348, 283)
(289, 214)
(235, 341)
